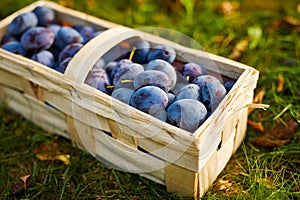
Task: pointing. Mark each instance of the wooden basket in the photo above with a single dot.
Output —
(115, 133)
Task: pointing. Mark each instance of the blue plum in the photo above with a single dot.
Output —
(180, 83)
(171, 98)
(14, 47)
(69, 51)
(146, 97)
(190, 91)
(124, 77)
(63, 65)
(67, 35)
(44, 57)
(122, 94)
(37, 38)
(22, 23)
(163, 66)
(162, 52)
(99, 79)
(229, 84)
(187, 114)
(8, 38)
(212, 91)
(142, 47)
(120, 64)
(109, 66)
(54, 28)
(154, 78)
(193, 70)
(158, 112)
(45, 15)
(87, 32)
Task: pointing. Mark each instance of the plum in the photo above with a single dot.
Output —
(67, 35)
(212, 91)
(191, 91)
(163, 66)
(162, 52)
(123, 94)
(187, 114)
(14, 47)
(44, 57)
(124, 77)
(99, 79)
(37, 38)
(22, 23)
(146, 97)
(142, 47)
(192, 70)
(45, 15)
(69, 51)
(152, 77)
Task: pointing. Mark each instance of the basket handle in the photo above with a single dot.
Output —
(83, 61)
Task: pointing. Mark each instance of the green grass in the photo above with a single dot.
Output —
(252, 173)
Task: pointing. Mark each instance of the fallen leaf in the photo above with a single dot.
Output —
(21, 184)
(258, 99)
(287, 23)
(134, 198)
(292, 21)
(267, 182)
(298, 8)
(240, 47)
(278, 136)
(280, 83)
(227, 186)
(227, 7)
(256, 125)
(51, 152)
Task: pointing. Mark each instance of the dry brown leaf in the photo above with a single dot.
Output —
(134, 197)
(280, 82)
(258, 99)
(227, 186)
(256, 125)
(21, 184)
(227, 7)
(51, 152)
(278, 136)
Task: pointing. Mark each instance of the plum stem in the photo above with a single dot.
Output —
(131, 53)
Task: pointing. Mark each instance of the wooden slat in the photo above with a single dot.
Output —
(181, 181)
(45, 116)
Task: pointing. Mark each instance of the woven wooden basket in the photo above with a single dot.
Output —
(115, 133)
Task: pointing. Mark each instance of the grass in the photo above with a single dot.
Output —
(252, 173)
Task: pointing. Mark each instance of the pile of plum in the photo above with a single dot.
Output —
(142, 74)
(39, 36)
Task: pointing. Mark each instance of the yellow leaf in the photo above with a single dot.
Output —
(227, 7)
(280, 83)
(51, 152)
(64, 158)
